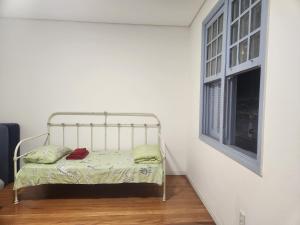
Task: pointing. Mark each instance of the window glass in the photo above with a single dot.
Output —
(209, 34)
(254, 45)
(215, 29)
(219, 64)
(220, 40)
(208, 52)
(213, 67)
(213, 98)
(220, 24)
(244, 25)
(255, 16)
(233, 56)
(234, 9)
(243, 46)
(208, 68)
(244, 5)
(214, 48)
(234, 33)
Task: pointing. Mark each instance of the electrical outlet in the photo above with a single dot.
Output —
(242, 219)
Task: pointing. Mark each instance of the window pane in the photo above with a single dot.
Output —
(220, 24)
(219, 64)
(233, 53)
(214, 48)
(213, 66)
(255, 16)
(253, 1)
(254, 45)
(243, 51)
(209, 33)
(212, 114)
(234, 9)
(244, 25)
(234, 33)
(208, 69)
(215, 30)
(220, 39)
(243, 111)
(208, 52)
(244, 5)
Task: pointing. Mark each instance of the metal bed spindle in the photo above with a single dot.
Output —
(132, 136)
(119, 136)
(77, 133)
(146, 133)
(105, 131)
(63, 133)
(92, 135)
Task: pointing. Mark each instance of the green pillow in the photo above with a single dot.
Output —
(146, 154)
(46, 154)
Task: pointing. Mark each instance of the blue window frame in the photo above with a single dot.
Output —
(244, 31)
(232, 79)
(214, 70)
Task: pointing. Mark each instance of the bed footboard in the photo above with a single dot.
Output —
(16, 158)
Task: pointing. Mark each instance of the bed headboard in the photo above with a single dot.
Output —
(103, 121)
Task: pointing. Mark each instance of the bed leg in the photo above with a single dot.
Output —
(16, 197)
(164, 187)
(164, 194)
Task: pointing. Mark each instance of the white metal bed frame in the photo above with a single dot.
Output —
(92, 126)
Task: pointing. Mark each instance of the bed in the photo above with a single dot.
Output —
(101, 166)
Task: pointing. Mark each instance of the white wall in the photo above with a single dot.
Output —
(65, 66)
(58, 66)
(227, 187)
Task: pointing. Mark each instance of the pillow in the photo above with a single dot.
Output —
(146, 154)
(46, 154)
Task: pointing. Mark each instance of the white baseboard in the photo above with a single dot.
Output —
(176, 172)
(205, 202)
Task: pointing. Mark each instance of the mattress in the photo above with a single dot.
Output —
(109, 167)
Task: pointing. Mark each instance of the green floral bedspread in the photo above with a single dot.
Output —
(97, 168)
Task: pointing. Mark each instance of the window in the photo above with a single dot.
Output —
(214, 70)
(214, 46)
(232, 78)
(244, 36)
(213, 97)
(242, 111)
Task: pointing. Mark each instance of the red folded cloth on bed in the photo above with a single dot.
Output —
(78, 153)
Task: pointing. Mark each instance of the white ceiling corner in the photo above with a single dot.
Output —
(146, 12)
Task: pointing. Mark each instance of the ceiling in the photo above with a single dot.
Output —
(147, 12)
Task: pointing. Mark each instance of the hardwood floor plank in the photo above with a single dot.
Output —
(105, 204)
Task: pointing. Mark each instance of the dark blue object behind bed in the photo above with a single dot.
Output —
(9, 138)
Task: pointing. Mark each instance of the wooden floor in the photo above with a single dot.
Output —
(105, 204)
